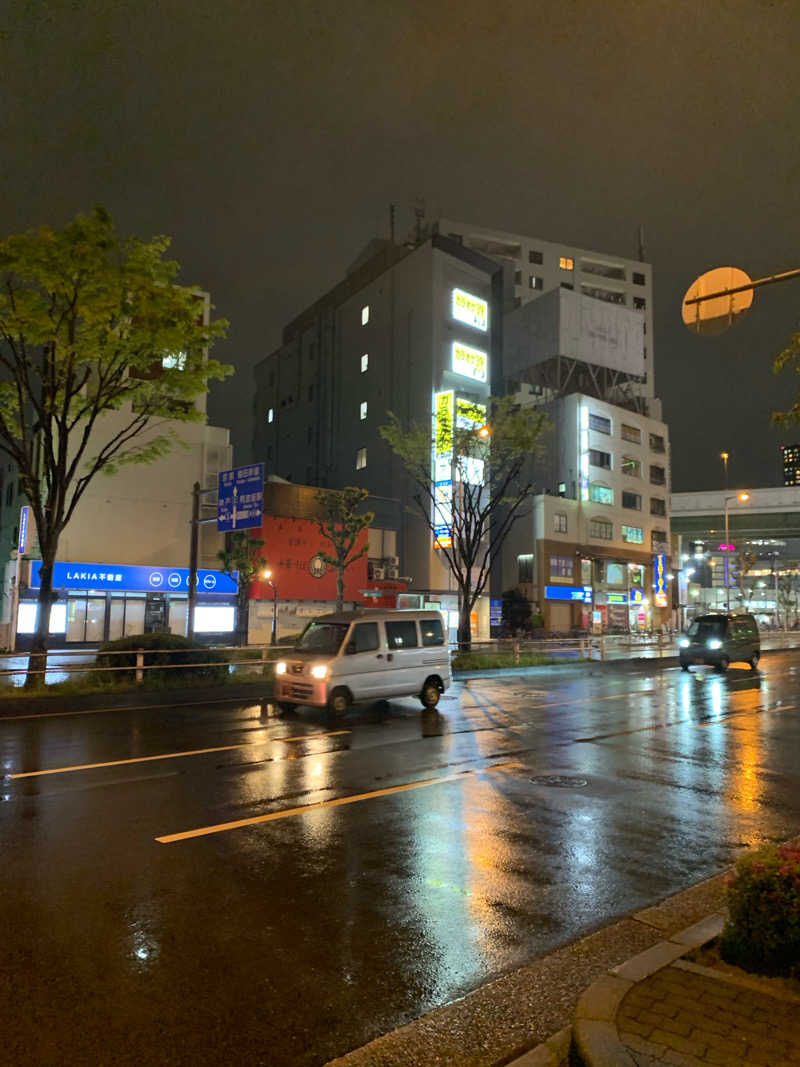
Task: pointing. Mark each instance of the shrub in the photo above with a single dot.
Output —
(178, 651)
(762, 933)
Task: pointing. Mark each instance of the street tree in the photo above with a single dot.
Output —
(789, 360)
(516, 611)
(242, 554)
(101, 355)
(472, 483)
(341, 522)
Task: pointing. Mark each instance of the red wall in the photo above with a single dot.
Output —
(289, 546)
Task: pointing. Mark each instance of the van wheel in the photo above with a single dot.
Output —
(684, 666)
(723, 664)
(339, 701)
(753, 661)
(285, 709)
(430, 695)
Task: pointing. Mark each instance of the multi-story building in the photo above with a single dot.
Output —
(460, 314)
(790, 462)
(123, 558)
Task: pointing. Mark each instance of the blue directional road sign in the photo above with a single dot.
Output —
(240, 501)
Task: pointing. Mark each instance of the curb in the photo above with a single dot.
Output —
(595, 1039)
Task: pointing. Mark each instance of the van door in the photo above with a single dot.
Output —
(404, 674)
(363, 662)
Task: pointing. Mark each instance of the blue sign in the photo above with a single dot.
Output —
(495, 612)
(637, 596)
(569, 592)
(240, 498)
(133, 579)
(23, 529)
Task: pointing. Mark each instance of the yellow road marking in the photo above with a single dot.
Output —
(172, 755)
(168, 839)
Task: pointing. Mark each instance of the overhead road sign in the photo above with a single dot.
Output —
(240, 498)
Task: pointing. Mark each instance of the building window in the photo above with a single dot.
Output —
(658, 541)
(631, 467)
(601, 529)
(657, 506)
(631, 500)
(535, 257)
(631, 433)
(525, 568)
(365, 315)
(658, 476)
(600, 459)
(560, 522)
(599, 423)
(611, 296)
(361, 459)
(567, 285)
(639, 303)
(656, 443)
(566, 262)
(517, 277)
(638, 279)
(561, 567)
(601, 494)
(634, 535)
(364, 362)
(363, 410)
(603, 270)
(535, 282)
(271, 415)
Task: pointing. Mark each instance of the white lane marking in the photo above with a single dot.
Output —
(217, 828)
(172, 755)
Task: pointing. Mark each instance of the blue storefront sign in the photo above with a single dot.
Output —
(582, 593)
(23, 528)
(124, 578)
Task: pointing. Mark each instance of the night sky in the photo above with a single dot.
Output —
(270, 138)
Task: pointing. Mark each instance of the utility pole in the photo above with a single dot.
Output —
(193, 545)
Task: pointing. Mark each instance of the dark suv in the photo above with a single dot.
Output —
(720, 640)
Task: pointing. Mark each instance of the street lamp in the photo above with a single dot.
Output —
(267, 576)
(742, 497)
(724, 457)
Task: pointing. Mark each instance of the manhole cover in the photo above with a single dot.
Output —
(561, 781)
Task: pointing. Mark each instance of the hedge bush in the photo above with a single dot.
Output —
(179, 651)
(762, 933)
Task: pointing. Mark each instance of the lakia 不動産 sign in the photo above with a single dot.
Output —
(124, 578)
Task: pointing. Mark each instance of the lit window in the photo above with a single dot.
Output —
(270, 414)
(364, 362)
(535, 282)
(601, 494)
(174, 361)
(363, 410)
(365, 315)
(361, 459)
(566, 262)
(633, 534)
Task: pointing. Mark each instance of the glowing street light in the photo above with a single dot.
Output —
(741, 497)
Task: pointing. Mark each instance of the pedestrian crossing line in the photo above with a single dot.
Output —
(337, 802)
(173, 755)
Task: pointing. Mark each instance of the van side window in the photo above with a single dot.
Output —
(402, 634)
(365, 636)
(432, 633)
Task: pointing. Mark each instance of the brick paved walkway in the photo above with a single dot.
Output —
(678, 1017)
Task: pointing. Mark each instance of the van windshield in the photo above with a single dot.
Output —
(703, 629)
(323, 637)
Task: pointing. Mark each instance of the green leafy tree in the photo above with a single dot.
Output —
(789, 360)
(101, 355)
(341, 521)
(490, 483)
(243, 554)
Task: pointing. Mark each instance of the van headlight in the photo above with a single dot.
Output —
(684, 642)
(280, 667)
(714, 642)
(319, 670)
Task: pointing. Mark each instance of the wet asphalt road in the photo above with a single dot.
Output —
(293, 939)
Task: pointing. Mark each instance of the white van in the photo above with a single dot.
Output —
(366, 655)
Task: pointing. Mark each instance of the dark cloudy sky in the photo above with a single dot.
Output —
(270, 137)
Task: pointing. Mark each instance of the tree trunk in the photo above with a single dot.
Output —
(340, 588)
(37, 661)
(464, 632)
(242, 614)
